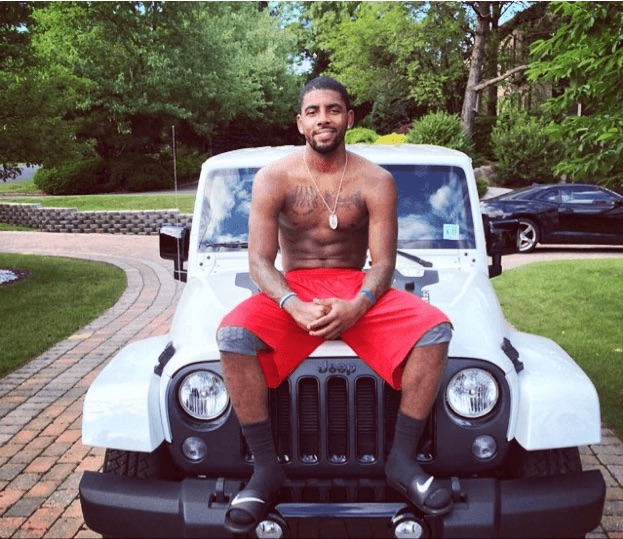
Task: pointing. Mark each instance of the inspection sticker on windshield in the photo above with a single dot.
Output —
(450, 232)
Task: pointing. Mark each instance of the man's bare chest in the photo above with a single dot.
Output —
(305, 207)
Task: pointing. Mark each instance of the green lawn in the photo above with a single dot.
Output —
(4, 227)
(60, 296)
(579, 305)
(24, 187)
(184, 202)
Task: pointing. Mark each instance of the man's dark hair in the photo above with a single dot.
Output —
(324, 83)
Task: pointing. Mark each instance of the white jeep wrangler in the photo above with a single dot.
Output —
(510, 415)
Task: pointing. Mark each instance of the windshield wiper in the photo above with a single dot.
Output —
(229, 244)
(420, 261)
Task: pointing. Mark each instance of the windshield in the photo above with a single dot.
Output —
(433, 208)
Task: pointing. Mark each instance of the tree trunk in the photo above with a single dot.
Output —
(470, 101)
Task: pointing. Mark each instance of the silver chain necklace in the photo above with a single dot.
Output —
(332, 215)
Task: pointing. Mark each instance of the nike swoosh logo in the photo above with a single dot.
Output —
(246, 499)
(423, 488)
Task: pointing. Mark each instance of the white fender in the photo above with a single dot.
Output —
(121, 408)
(558, 404)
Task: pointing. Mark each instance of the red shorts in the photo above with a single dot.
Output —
(382, 337)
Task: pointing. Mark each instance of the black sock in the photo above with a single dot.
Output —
(401, 462)
(259, 437)
(268, 476)
(402, 466)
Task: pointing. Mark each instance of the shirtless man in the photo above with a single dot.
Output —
(325, 208)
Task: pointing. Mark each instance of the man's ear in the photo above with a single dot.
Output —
(298, 124)
(351, 119)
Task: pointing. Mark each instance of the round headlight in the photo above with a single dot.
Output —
(472, 393)
(203, 395)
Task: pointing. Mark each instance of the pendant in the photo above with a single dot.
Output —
(333, 220)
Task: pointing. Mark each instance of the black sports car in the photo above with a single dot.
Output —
(561, 213)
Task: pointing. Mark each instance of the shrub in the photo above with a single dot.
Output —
(360, 135)
(442, 129)
(482, 185)
(188, 165)
(139, 172)
(524, 152)
(481, 136)
(83, 176)
(392, 138)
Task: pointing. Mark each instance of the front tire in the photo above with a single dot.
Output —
(527, 235)
(548, 462)
(544, 463)
(132, 463)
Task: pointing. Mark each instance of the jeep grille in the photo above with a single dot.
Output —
(333, 420)
(334, 426)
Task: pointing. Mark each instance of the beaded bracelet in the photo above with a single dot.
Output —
(286, 298)
(368, 294)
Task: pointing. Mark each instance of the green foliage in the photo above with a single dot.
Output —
(360, 135)
(132, 173)
(442, 129)
(143, 67)
(583, 60)
(392, 138)
(137, 172)
(482, 185)
(524, 151)
(481, 136)
(188, 163)
(381, 51)
(35, 100)
(79, 177)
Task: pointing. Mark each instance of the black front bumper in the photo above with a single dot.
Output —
(556, 506)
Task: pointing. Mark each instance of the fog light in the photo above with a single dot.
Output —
(194, 449)
(408, 529)
(269, 529)
(484, 447)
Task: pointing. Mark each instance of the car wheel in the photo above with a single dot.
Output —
(550, 462)
(527, 235)
(155, 465)
(544, 463)
(132, 464)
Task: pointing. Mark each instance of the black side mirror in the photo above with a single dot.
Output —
(501, 239)
(174, 245)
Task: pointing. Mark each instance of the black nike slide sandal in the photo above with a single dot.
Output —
(431, 496)
(246, 510)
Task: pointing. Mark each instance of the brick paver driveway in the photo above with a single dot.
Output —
(41, 455)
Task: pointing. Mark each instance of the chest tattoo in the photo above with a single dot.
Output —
(306, 198)
(302, 199)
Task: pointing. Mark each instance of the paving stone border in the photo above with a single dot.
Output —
(147, 222)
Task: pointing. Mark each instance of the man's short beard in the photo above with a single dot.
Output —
(325, 149)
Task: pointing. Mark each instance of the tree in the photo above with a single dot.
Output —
(31, 102)
(145, 66)
(405, 59)
(398, 59)
(583, 60)
(484, 58)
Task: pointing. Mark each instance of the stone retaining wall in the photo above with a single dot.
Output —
(71, 220)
